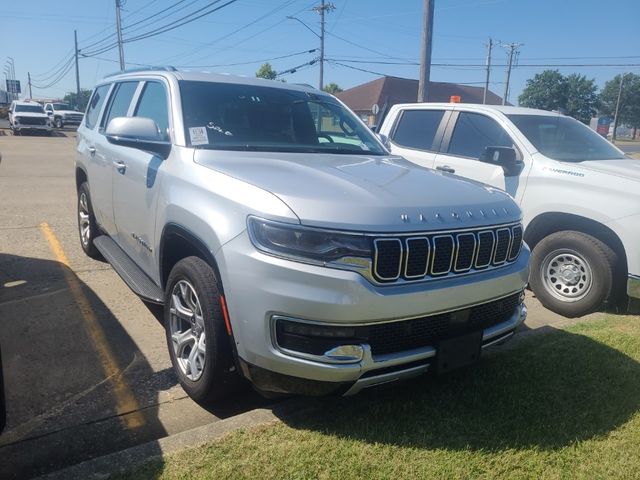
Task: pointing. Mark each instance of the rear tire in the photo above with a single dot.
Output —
(87, 225)
(572, 273)
(198, 342)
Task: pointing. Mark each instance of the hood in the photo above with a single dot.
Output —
(365, 193)
(627, 168)
(68, 112)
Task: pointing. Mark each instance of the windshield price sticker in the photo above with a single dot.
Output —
(198, 135)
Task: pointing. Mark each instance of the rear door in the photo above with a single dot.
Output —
(136, 180)
(467, 136)
(417, 134)
(93, 157)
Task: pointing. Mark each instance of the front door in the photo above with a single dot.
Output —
(464, 147)
(136, 183)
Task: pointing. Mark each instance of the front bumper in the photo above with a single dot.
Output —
(378, 370)
(259, 287)
(20, 128)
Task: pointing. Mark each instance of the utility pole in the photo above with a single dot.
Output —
(615, 116)
(29, 77)
(513, 49)
(75, 38)
(12, 72)
(425, 54)
(322, 9)
(486, 81)
(119, 33)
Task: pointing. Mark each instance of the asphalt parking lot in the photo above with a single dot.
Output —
(85, 362)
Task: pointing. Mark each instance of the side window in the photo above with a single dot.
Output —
(119, 102)
(474, 132)
(153, 105)
(417, 128)
(95, 104)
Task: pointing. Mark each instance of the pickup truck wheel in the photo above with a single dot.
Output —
(57, 122)
(572, 273)
(196, 336)
(87, 226)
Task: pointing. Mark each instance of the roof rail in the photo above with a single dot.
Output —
(167, 68)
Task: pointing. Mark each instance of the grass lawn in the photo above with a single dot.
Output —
(560, 405)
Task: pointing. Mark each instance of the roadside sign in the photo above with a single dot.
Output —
(13, 86)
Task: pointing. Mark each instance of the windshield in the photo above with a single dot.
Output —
(564, 138)
(30, 108)
(256, 118)
(61, 106)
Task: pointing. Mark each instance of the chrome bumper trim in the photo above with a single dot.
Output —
(386, 378)
(633, 286)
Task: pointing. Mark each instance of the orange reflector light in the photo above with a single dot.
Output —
(455, 99)
(225, 314)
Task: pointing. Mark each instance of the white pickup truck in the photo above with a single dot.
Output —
(61, 115)
(580, 195)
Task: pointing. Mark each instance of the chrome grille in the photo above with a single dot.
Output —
(437, 255)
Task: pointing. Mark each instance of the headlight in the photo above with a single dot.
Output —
(306, 244)
(16, 120)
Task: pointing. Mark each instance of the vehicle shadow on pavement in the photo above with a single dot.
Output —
(548, 392)
(69, 372)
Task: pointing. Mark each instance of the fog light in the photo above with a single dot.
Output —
(346, 353)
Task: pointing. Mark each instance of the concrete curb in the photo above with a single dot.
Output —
(124, 460)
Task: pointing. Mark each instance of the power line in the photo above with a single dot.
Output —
(250, 61)
(190, 52)
(168, 26)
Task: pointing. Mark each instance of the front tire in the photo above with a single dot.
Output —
(572, 273)
(57, 122)
(198, 343)
(87, 225)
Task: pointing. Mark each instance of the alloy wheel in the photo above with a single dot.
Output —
(187, 330)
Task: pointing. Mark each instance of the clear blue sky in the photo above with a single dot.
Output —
(38, 34)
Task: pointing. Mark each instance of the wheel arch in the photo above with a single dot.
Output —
(81, 177)
(551, 222)
(176, 243)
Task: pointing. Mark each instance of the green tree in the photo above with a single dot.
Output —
(574, 94)
(546, 90)
(582, 97)
(629, 110)
(332, 88)
(80, 103)
(266, 71)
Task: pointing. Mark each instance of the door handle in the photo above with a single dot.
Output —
(92, 151)
(446, 168)
(121, 167)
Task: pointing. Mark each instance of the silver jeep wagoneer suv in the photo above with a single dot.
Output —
(285, 242)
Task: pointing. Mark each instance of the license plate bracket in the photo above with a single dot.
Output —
(458, 352)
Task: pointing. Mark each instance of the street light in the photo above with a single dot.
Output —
(305, 25)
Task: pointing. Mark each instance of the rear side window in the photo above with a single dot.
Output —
(93, 109)
(417, 128)
(119, 102)
(153, 105)
(475, 132)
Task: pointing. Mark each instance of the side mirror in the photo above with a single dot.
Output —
(138, 132)
(384, 140)
(49, 112)
(503, 156)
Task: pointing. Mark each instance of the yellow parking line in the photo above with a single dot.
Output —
(126, 403)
